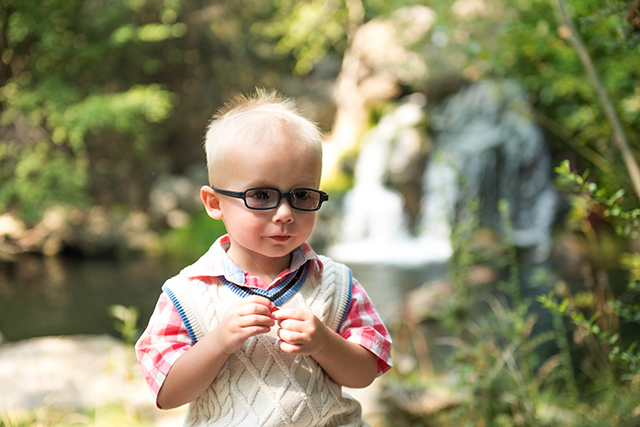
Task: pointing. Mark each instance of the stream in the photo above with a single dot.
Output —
(44, 296)
(50, 296)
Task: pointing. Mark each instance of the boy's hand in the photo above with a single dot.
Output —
(301, 332)
(246, 318)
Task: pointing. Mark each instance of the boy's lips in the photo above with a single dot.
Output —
(280, 238)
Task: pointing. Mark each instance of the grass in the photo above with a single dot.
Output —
(49, 416)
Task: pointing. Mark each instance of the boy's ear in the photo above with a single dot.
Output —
(211, 202)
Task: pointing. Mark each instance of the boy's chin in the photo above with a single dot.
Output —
(280, 251)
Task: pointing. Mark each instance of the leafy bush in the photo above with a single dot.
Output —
(185, 245)
(512, 369)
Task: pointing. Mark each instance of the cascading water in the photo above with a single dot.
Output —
(375, 225)
(486, 148)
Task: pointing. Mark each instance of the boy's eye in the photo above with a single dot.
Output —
(261, 198)
(260, 195)
(305, 199)
(301, 195)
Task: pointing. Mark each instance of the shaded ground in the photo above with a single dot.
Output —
(75, 372)
(89, 371)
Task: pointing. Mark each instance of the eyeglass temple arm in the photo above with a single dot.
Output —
(229, 193)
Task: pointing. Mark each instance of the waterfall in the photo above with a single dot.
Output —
(375, 226)
(486, 148)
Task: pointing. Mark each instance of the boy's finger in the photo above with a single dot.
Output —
(257, 320)
(289, 336)
(292, 325)
(259, 300)
(285, 313)
(258, 330)
(295, 315)
(289, 348)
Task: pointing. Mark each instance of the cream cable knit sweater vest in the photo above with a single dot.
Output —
(259, 385)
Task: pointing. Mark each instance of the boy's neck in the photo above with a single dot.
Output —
(266, 269)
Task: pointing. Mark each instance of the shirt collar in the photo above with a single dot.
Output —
(216, 263)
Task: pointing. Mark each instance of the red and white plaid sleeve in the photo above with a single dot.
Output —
(165, 339)
(364, 326)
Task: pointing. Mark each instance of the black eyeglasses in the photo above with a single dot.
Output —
(263, 198)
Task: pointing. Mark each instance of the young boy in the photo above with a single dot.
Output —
(261, 331)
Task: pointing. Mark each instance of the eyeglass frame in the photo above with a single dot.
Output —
(243, 195)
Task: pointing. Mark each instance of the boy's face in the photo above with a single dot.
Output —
(266, 236)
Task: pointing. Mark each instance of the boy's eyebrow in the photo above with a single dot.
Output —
(284, 191)
(266, 184)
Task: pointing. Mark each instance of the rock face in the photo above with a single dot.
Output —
(374, 68)
(488, 149)
(93, 232)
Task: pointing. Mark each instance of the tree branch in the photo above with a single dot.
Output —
(619, 138)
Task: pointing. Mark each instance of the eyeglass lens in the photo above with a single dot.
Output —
(266, 198)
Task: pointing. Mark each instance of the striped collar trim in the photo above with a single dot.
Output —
(280, 293)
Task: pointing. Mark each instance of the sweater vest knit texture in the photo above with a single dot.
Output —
(260, 385)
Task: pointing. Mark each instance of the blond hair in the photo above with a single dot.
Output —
(262, 117)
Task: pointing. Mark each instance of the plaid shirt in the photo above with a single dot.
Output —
(166, 337)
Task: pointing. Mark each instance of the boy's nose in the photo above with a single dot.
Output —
(283, 212)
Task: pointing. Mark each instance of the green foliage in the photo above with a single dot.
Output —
(37, 176)
(596, 322)
(588, 197)
(525, 41)
(517, 374)
(579, 370)
(64, 86)
(307, 29)
(539, 55)
(496, 353)
(311, 30)
(126, 322)
(119, 91)
(103, 415)
(186, 244)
